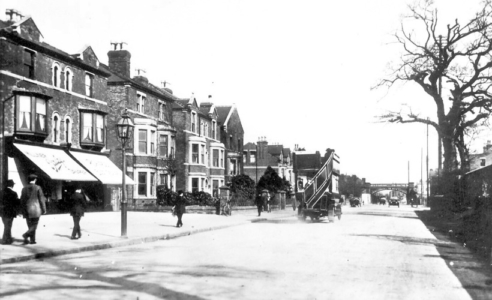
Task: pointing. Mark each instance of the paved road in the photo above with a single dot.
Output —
(374, 252)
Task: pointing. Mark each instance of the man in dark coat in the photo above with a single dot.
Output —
(78, 205)
(10, 208)
(180, 208)
(33, 206)
(259, 204)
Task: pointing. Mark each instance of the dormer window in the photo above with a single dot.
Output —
(482, 162)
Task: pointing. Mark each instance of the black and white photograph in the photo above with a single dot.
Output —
(246, 149)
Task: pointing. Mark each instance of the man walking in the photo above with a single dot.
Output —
(259, 204)
(10, 207)
(180, 208)
(33, 206)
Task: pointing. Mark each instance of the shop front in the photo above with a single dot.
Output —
(60, 171)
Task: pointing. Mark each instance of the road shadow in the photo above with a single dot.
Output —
(474, 272)
(285, 221)
(93, 279)
(407, 239)
(387, 214)
(63, 235)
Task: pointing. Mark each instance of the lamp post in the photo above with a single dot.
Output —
(125, 130)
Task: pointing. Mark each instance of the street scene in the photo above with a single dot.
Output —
(266, 259)
(224, 149)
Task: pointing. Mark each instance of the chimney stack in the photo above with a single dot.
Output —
(14, 15)
(119, 59)
(141, 76)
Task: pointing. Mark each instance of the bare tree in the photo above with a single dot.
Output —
(458, 57)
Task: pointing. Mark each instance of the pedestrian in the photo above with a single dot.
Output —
(33, 206)
(268, 202)
(180, 208)
(217, 206)
(10, 207)
(259, 204)
(78, 204)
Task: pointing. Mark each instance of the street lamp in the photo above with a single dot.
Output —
(125, 130)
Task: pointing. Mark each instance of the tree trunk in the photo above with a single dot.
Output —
(450, 162)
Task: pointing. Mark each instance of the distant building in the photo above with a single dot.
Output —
(257, 157)
(483, 159)
(232, 137)
(201, 159)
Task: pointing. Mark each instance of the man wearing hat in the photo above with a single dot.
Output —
(10, 207)
(33, 206)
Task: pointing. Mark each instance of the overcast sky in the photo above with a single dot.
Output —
(299, 72)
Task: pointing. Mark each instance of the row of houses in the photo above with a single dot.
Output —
(58, 119)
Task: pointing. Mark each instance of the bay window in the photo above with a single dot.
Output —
(152, 184)
(142, 183)
(194, 153)
(194, 184)
(202, 154)
(93, 131)
(142, 141)
(31, 115)
(152, 142)
(215, 158)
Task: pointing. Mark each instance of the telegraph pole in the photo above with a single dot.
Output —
(427, 166)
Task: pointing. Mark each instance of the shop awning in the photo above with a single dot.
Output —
(101, 167)
(57, 164)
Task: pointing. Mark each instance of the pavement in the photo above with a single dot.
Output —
(102, 230)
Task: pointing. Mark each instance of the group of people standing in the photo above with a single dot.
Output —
(31, 205)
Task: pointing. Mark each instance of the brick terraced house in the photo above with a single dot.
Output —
(202, 156)
(150, 162)
(54, 116)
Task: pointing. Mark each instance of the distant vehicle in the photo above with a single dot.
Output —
(354, 202)
(382, 201)
(394, 201)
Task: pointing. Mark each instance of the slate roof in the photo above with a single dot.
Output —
(7, 29)
(118, 78)
(223, 112)
(249, 146)
(286, 152)
(275, 149)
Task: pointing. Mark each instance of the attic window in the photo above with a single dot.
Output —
(482, 162)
